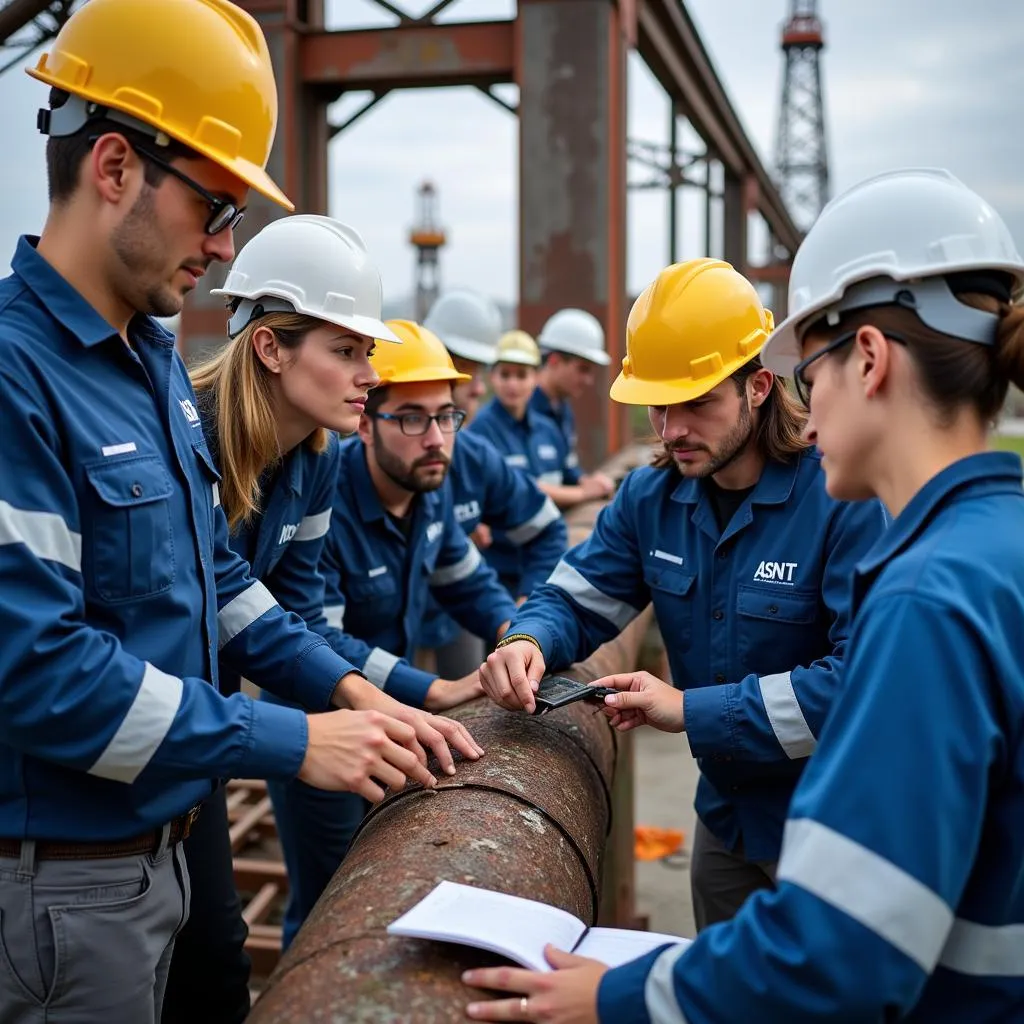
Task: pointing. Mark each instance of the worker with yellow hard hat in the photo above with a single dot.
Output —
(393, 540)
(746, 558)
(120, 592)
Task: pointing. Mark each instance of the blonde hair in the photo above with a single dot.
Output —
(235, 385)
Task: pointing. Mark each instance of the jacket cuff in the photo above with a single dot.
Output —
(409, 684)
(319, 670)
(278, 737)
(708, 719)
(620, 995)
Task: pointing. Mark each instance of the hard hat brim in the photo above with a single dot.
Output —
(425, 375)
(594, 356)
(636, 391)
(517, 358)
(467, 348)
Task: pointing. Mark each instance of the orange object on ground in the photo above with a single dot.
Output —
(652, 843)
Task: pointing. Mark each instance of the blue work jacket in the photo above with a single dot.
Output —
(527, 525)
(755, 619)
(378, 582)
(118, 588)
(565, 421)
(284, 542)
(532, 444)
(901, 883)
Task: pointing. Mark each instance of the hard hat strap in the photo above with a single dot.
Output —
(74, 114)
(252, 309)
(931, 298)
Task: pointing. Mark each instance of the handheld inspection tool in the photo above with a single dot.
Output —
(557, 691)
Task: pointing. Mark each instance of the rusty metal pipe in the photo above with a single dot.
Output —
(530, 818)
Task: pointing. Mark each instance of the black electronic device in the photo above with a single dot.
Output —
(557, 691)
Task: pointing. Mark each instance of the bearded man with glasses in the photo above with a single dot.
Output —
(393, 540)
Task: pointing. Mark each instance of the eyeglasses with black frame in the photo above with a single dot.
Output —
(800, 381)
(416, 424)
(224, 214)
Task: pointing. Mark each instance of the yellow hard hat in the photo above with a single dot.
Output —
(517, 347)
(197, 70)
(420, 357)
(691, 328)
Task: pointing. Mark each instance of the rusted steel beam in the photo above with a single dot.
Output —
(410, 56)
(671, 46)
(16, 14)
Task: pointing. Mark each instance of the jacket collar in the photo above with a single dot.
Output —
(984, 473)
(68, 307)
(774, 486)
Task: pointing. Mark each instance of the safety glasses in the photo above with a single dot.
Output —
(803, 385)
(415, 424)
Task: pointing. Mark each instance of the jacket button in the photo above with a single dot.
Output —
(773, 608)
(136, 490)
(719, 677)
(718, 615)
(721, 553)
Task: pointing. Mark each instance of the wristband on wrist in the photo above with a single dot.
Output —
(513, 637)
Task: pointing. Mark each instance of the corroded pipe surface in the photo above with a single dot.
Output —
(529, 818)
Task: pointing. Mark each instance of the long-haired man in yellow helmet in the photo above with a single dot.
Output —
(746, 559)
(119, 592)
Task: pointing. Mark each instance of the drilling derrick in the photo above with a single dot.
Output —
(801, 156)
(427, 238)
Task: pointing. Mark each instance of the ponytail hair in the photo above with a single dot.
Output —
(234, 386)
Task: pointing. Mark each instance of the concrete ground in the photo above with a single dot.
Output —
(666, 778)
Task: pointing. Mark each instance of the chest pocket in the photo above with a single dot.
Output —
(130, 537)
(672, 594)
(777, 620)
(371, 595)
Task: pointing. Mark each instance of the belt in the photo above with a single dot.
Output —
(148, 842)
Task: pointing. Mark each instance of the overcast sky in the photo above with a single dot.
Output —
(926, 82)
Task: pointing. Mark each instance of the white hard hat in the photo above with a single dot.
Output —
(908, 226)
(467, 322)
(308, 264)
(576, 333)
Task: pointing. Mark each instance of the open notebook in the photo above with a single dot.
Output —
(518, 928)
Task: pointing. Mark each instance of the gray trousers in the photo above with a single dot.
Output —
(721, 879)
(88, 941)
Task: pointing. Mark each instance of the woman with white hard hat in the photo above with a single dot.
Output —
(901, 881)
(305, 300)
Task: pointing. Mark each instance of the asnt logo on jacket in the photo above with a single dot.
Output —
(775, 572)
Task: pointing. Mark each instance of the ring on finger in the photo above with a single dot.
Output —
(524, 1006)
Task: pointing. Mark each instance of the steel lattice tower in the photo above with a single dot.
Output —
(801, 156)
(427, 238)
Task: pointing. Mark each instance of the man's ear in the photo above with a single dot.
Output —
(365, 430)
(760, 384)
(114, 168)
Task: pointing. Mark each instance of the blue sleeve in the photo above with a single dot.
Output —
(391, 673)
(570, 466)
(882, 833)
(595, 591)
(520, 513)
(296, 581)
(466, 587)
(70, 693)
(780, 716)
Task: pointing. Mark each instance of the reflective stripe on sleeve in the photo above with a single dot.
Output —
(660, 993)
(334, 614)
(143, 729)
(378, 666)
(554, 477)
(578, 587)
(786, 716)
(445, 575)
(867, 887)
(985, 950)
(45, 534)
(314, 527)
(242, 611)
(546, 515)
